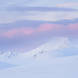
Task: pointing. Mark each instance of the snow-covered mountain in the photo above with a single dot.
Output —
(45, 50)
(42, 62)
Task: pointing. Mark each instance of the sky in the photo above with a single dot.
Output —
(27, 24)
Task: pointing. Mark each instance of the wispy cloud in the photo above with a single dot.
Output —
(43, 9)
(51, 14)
(69, 5)
(19, 31)
(46, 27)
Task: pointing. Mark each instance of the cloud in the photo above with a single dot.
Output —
(11, 11)
(51, 16)
(46, 27)
(19, 31)
(28, 31)
(35, 14)
(42, 9)
(58, 27)
(69, 5)
(73, 27)
(49, 27)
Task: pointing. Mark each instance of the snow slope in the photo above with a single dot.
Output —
(51, 68)
(42, 62)
(44, 50)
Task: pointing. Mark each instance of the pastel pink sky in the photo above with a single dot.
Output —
(19, 31)
(73, 27)
(49, 27)
(70, 4)
(27, 31)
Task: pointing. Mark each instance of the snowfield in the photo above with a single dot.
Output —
(43, 62)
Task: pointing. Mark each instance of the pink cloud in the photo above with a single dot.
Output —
(40, 29)
(73, 27)
(49, 27)
(75, 4)
(29, 31)
(19, 31)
